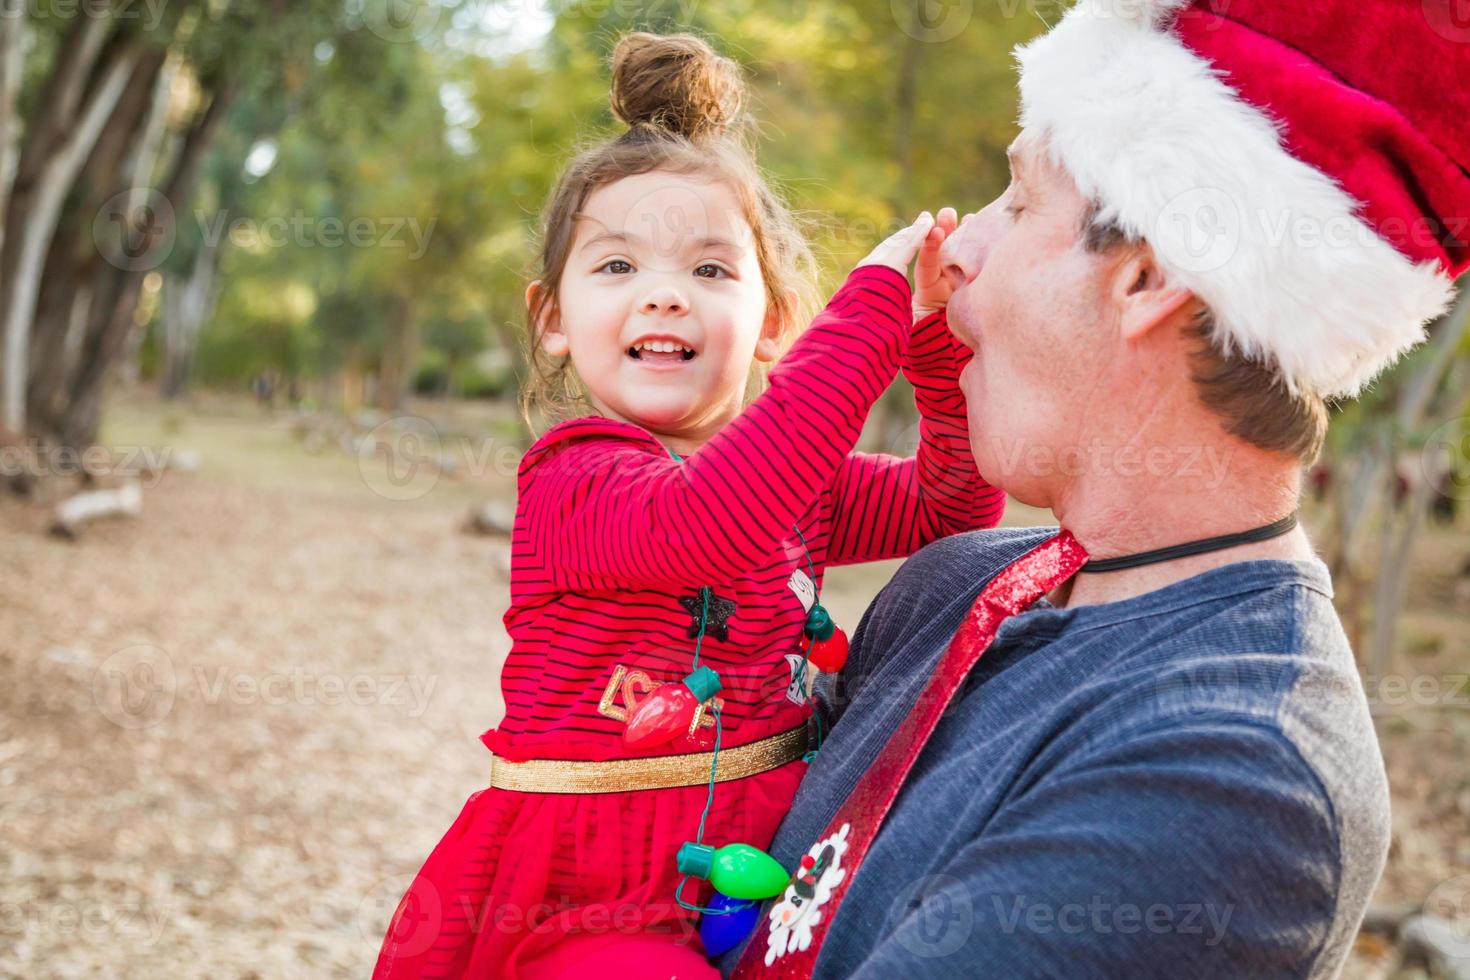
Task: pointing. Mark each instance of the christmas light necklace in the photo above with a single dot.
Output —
(742, 875)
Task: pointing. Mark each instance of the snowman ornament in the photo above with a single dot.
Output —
(800, 907)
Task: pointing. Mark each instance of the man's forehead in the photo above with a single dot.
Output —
(1022, 152)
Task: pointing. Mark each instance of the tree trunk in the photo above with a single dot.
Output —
(12, 39)
(1361, 494)
(400, 350)
(66, 125)
(121, 287)
(187, 304)
(74, 260)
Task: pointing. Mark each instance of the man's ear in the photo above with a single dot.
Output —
(768, 347)
(1143, 296)
(553, 338)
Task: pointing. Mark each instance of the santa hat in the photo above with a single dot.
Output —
(1299, 165)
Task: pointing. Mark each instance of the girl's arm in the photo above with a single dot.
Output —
(608, 513)
(889, 507)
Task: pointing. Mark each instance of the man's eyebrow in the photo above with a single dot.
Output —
(1013, 158)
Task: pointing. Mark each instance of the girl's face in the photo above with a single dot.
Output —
(662, 306)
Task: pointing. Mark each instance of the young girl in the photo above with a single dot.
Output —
(669, 545)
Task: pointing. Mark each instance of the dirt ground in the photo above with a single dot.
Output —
(231, 727)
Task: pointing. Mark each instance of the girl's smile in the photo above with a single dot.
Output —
(662, 306)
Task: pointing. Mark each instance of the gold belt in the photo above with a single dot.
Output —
(652, 772)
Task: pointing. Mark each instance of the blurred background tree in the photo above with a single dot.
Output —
(335, 201)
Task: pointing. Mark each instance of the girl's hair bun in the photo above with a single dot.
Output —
(675, 82)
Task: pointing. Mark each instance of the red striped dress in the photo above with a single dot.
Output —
(610, 534)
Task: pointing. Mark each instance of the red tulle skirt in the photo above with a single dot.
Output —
(519, 873)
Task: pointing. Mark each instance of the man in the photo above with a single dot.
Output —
(1163, 764)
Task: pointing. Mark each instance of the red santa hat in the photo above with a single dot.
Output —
(1302, 166)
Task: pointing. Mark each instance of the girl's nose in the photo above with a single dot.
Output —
(664, 299)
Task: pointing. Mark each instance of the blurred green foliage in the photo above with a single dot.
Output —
(438, 136)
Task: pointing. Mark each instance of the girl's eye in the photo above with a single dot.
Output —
(1014, 210)
(709, 271)
(618, 267)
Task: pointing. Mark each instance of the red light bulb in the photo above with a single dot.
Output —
(830, 654)
(828, 649)
(668, 712)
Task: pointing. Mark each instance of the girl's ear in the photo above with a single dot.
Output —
(553, 338)
(768, 347)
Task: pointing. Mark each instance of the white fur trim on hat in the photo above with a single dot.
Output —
(1174, 156)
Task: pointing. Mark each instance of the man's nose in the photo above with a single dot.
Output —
(963, 253)
(664, 299)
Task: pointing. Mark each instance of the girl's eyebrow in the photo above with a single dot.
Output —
(625, 238)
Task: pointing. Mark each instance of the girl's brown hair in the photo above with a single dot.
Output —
(683, 105)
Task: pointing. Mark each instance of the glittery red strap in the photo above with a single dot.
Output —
(1020, 584)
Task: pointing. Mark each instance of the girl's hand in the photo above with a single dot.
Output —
(897, 251)
(931, 288)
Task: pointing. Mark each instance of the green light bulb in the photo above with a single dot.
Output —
(737, 870)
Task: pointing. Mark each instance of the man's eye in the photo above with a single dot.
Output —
(617, 267)
(709, 271)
